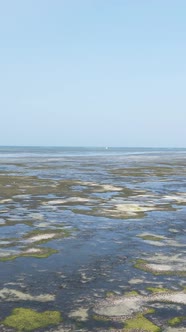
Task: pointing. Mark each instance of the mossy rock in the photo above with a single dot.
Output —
(28, 320)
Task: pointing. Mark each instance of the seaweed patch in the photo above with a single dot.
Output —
(28, 320)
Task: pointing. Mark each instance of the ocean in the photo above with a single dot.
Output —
(93, 236)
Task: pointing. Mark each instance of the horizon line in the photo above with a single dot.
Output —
(93, 146)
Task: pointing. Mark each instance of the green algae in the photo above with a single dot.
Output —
(140, 322)
(8, 258)
(9, 242)
(132, 293)
(15, 222)
(140, 264)
(176, 320)
(110, 294)
(150, 237)
(158, 289)
(28, 320)
(45, 253)
(144, 171)
(13, 185)
(100, 318)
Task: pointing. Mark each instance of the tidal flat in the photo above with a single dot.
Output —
(92, 240)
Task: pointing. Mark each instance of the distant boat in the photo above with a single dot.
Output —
(106, 148)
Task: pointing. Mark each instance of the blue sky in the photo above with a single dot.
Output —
(93, 72)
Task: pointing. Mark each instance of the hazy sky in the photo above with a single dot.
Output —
(93, 72)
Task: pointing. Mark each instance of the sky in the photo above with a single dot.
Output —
(93, 73)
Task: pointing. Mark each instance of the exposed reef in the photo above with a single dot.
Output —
(162, 264)
(128, 305)
(29, 252)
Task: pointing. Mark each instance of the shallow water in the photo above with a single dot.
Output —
(107, 208)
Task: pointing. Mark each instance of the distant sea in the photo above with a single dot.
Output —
(43, 151)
